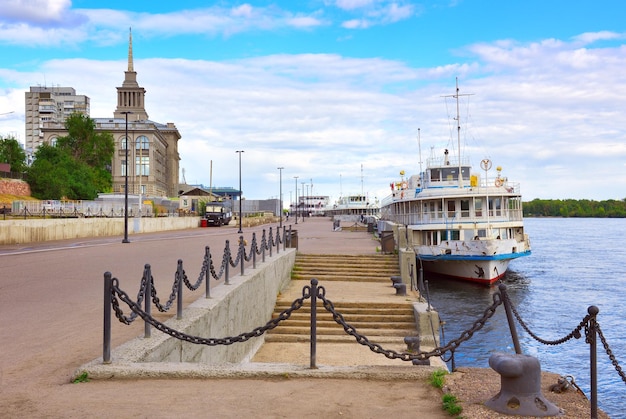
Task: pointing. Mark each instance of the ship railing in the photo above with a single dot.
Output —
(436, 217)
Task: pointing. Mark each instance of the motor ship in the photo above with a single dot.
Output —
(459, 223)
(354, 208)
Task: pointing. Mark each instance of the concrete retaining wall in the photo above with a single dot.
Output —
(38, 230)
(245, 304)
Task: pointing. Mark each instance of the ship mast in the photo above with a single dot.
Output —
(458, 129)
(458, 132)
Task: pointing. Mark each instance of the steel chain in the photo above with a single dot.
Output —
(200, 277)
(235, 262)
(248, 257)
(136, 308)
(140, 297)
(609, 352)
(573, 334)
(406, 356)
(222, 268)
(170, 301)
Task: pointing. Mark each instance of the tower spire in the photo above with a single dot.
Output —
(130, 49)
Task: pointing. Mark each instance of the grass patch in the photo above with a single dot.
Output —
(82, 378)
(450, 403)
(438, 378)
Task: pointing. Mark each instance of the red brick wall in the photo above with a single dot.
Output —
(14, 187)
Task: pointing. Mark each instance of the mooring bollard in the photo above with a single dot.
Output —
(413, 345)
(520, 387)
(400, 289)
(395, 279)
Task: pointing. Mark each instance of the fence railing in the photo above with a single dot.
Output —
(147, 294)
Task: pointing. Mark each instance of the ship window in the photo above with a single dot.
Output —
(465, 206)
(435, 175)
(478, 207)
(454, 235)
(450, 174)
(451, 209)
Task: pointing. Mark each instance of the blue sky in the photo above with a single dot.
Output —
(335, 91)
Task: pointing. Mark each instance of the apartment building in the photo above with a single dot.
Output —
(49, 105)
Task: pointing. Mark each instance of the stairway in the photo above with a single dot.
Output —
(383, 322)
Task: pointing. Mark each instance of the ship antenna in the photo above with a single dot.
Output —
(458, 127)
(419, 146)
(362, 180)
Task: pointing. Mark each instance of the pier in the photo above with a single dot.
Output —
(51, 303)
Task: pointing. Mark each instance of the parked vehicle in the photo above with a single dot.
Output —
(217, 214)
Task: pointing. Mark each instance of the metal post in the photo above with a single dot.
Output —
(147, 272)
(126, 183)
(593, 359)
(313, 322)
(509, 316)
(106, 341)
(207, 273)
(179, 300)
(240, 211)
(303, 200)
(241, 253)
(227, 263)
(271, 239)
(254, 251)
(296, 204)
(280, 197)
(264, 241)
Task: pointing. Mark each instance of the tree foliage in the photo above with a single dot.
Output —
(575, 208)
(11, 152)
(77, 167)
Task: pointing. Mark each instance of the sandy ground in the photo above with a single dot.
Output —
(51, 323)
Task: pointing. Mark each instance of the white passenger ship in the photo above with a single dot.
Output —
(460, 224)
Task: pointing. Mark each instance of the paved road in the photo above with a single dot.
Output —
(51, 323)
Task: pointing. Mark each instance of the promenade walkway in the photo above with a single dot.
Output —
(51, 314)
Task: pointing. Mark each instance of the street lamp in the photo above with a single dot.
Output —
(296, 178)
(239, 152)
(303, 200)
(280, 197)
(126, 182)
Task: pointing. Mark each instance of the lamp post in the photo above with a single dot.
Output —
(296, 178)
(303, 200)
(240, 212)
(280, 197)
(126, 181)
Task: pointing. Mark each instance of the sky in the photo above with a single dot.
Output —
(345, 94)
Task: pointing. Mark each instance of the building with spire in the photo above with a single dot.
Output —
(153, 160)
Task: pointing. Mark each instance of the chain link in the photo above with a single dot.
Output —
(407, 356)
(573, 334)
(137, 310)
(609, 352)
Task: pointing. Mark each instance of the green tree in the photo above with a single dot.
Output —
(85, 144)
(11, 152)
(77, 167)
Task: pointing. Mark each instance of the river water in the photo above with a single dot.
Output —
(575, 263)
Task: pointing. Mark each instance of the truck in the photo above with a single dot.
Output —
(217, 214)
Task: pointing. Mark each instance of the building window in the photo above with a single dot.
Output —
(142, 143)
(123, 167)
(142, 165)
(123, 143)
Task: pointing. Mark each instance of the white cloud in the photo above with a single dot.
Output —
(549, 112)
(38, 12)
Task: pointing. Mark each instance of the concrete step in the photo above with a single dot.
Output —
(343, 338)
(352, 317)
(338, 330)
(307, 276)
